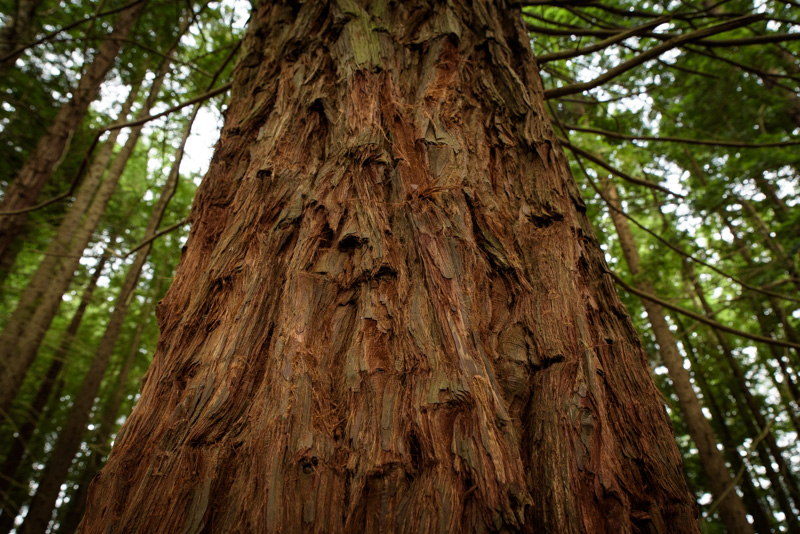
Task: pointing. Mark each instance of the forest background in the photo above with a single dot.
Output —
(681, 121)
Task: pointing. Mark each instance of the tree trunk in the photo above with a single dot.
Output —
(777, 307)
(392, 314)
(56, 260)
(762, 516)
(41, 163)
(752, 403)
(70, 437)
(78, 502)
(15, 454)
(731, 509)
(24, 334)
(16, 32)
(99, 446)
(778, 252)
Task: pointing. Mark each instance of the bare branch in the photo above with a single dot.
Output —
(566, 54)
(686, 140)
(52, 34)
(701, 318)
(205, 96)
(613, 170)
(153, 237)
(649, 54)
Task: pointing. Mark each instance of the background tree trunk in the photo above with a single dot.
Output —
(23, 335)
(392, 312)
(69, 439)
(731, 508)
(41, 163)
(16, 31)
(14, 456)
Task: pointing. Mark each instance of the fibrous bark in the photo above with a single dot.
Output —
(392, 314)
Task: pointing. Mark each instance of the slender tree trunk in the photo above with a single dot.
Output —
(53, 145)
(786, 387)
(762, 516)
(777, 488)
(777, 307)
(731, 509)
(78, 504)
(392, 314)
(770, 191)
(69, 439)
(17, 31)
(99, 448)
(15, 454)
(22, 338)
(772, 244)
(752, 404)
(56, 260)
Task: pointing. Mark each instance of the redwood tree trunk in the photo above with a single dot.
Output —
(392, 314)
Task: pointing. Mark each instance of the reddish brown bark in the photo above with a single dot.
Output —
(41, 163)
(392, 314)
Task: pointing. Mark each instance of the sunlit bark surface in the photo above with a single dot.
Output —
(392, 314)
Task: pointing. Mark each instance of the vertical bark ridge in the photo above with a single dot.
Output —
(391, 314)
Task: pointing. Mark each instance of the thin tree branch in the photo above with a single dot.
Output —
(52, 34)
(155, 236)
(649, 54)
(72, 186)
(613, 170)
(701, 318)
(205, 96)
(686, 140)
(677, 249)
(709, 43)
(740, 474)
(566, 54)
